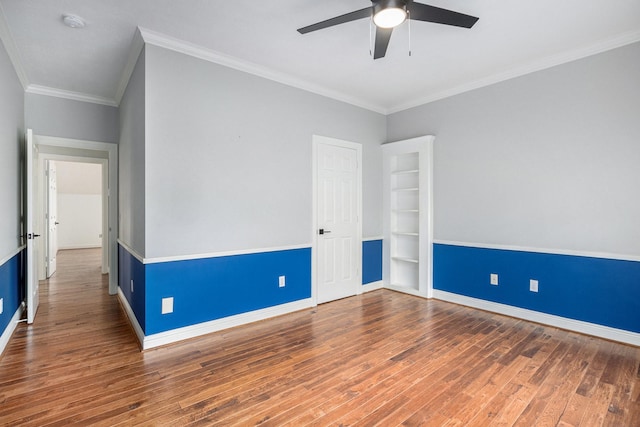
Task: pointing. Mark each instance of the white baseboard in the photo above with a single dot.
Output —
(132, 317)
(372, 286)
(8, 332)
(587, 328)
(192, 331)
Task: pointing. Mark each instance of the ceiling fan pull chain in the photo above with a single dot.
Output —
(409, 19)
(371, 36)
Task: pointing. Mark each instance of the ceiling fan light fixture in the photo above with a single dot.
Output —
(390, 13)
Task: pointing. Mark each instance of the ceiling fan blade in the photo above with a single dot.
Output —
(347, 17)
(424, 12)
(382, 41)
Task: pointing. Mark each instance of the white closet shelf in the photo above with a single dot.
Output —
(406, 189)
(404, 259)
(407, 219)
(402, 172)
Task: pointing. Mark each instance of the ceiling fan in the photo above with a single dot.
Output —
(388, 14)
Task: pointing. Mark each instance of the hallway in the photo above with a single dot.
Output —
(48, 366)
(75, 301)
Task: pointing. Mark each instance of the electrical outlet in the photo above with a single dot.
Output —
(533, 285)
(281, 281)
(493, 279)
(131, 285)
(1, 305)
(167, 305)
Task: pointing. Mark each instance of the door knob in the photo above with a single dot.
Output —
(56, 223)
(323, 231)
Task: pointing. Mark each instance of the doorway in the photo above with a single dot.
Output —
(53, 148)
(337, 210)
(74, 210)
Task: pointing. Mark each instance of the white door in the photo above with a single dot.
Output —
(339, 240)
(31, 274)
(52, 218)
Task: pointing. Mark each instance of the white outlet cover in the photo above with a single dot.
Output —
(167, 305)
(533, 285)
(494, 279)
(1, 305)
(281, 281)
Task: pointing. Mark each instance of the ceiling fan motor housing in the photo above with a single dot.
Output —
(379, 5)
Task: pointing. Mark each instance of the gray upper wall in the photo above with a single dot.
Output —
(11, 141)
(131, 161)
(228, 157)
(547, 160)
(65, 118)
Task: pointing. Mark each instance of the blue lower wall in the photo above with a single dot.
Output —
(595, 290)
(212, 288)
(371, 261)
(129, 267)
(11, 280)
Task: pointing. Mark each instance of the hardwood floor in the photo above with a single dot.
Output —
(382, 358)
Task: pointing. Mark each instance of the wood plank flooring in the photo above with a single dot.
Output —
(382, 358)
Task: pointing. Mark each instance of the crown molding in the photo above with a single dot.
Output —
(67, 94)
(7, 39)
(167, 42)
(14, 56)
(143, 36)
(542, 64)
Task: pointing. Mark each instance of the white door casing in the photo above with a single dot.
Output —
(31, 274)
(106, 154)
(337, 225)
(52, 217)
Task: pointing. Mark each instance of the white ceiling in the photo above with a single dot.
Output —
(511, 38)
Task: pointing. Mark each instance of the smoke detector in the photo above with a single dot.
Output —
(73, 21)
